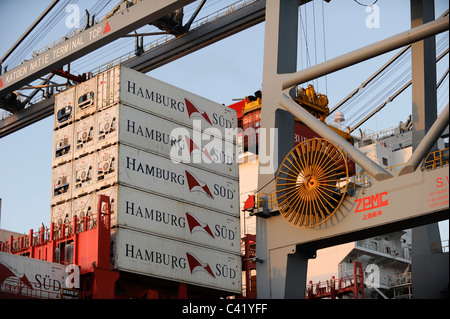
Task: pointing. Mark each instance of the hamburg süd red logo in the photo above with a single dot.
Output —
(196, 265)
(194, 146)
(196, 225)
(7, 272)
(196, 185)
(193, 111)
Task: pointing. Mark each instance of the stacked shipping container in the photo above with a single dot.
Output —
(167, 160)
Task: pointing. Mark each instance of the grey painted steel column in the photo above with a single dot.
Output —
(429, 268)
(295, 287)
(280, 56)
(427, 143)
(423, 53)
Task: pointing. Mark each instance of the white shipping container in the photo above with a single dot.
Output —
(62, 145)
(170, 218)
(64, 108)
(106, 166)
(61, 213)
(84, 175)
(179, 143)
(86, 98)
(85, 136)
(175, 104)
(108, 84)
(159, 175)
(107, 126)
(61, 183)
(84, 206)
(33, 278)
(172, 260)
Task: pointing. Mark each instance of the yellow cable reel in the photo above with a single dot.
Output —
(311, 182)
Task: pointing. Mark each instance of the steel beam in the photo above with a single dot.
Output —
(199, 37)
(427, 143)
(27, 116)
(27, 32)
(196, 39)
(392, 205)
(368, 52)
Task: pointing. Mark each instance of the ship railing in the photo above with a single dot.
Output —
(433, 160)
(400, 279)
(382, 248)
(436, 159)
(264, 200)
(44, 235)
(39, 290)
(441, 247)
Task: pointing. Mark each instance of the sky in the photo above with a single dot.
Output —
(229, 69)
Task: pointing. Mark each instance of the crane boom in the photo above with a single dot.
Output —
(138, 15)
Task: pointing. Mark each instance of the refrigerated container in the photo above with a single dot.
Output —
(176, 104)
(62, 145)
(108, 87)
(85, 136)
(156, 174)
(61, 213)
(171, 218)
(86, 98)
(64, 108)
(106, 166)
(84, 175)
(125, 124)
(107, 126)
(111, 192)
(154, 256)
(61, 183)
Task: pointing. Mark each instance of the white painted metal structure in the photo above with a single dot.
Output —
(283, 248)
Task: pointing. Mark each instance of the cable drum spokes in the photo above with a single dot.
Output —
(311, 182)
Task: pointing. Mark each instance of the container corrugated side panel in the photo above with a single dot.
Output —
(170, 218)
(178, 105)
(159, 175)
(179, 143)
(172, 260)
(108, 88)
